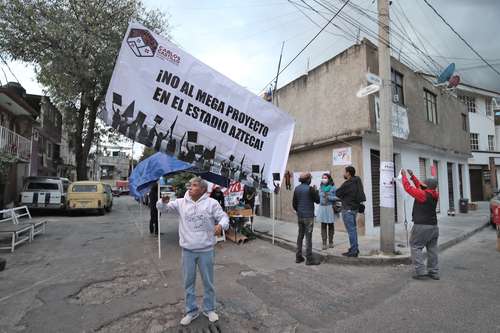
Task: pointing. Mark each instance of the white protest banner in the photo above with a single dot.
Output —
(163, 97)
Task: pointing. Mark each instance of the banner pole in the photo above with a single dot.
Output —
(159, 222)
(273, 213)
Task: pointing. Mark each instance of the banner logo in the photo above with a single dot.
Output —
(142, 43)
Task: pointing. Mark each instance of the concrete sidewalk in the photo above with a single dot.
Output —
(453, 229)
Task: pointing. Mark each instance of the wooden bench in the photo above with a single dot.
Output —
(19, 233)
(22, 216)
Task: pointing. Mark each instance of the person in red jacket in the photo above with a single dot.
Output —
(425, 232)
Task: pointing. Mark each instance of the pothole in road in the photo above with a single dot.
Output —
(159, 319)
(103, 292)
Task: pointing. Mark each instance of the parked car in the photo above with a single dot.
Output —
(90, 195)
(495, 210)
(116, 191)
(44, 193)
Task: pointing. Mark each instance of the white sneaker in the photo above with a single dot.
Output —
(212, 316)
(189, 318)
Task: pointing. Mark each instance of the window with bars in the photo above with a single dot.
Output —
(491, 142)
(431, 106)
(489, 107)
(397, 87)
(469, 101)
(474, 141)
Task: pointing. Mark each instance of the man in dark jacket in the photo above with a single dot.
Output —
(352, 195)
(304, 198)
(218, 195)
(153, 211)
(425, 231)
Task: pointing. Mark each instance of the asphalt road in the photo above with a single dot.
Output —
(94, 273)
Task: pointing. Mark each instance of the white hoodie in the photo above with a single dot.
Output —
(197, 221)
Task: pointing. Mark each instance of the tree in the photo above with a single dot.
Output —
(148, 151)
(179, 182)
(73, 46)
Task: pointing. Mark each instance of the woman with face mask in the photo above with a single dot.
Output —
(325, 211)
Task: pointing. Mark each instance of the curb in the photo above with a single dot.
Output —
(365, 261)
(336, 259)
(461, 238)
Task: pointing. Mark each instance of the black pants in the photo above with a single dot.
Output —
(153, 222)
(306, 226)
(327, 230)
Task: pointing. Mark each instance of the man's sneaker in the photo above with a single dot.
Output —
(189, 318)
(331, 246)
(434, 276)
(420, 276)
(299, 260)
(324, 247)
(212, 316)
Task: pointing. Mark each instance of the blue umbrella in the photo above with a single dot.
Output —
(151, 169)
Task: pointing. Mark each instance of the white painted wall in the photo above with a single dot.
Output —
(409, 159)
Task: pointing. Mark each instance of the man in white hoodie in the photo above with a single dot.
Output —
(201, 219)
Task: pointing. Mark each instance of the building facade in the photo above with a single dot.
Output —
(17, 119)
(334, 129)
(484, 140)
(46, 152)
(110, 163)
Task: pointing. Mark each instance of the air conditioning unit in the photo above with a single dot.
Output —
(395, 98)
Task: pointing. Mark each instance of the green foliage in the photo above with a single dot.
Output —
(148, 151)
(6, 161)
(73, 46)
(180, 181)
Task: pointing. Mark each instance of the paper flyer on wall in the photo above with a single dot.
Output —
(387, 184)
(162, 97)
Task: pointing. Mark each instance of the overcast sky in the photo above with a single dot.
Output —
(242, 39)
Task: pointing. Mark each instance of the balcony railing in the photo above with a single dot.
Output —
(14, 144)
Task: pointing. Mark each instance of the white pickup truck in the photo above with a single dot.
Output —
(44, 193)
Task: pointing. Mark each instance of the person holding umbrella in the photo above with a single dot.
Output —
(201, 219)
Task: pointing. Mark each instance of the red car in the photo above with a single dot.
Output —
(495, 210)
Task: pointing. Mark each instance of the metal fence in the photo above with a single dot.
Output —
(15, 144)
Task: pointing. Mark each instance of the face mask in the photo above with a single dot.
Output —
(324, 181)
(308, 182)
(423, 187)
(345, 177)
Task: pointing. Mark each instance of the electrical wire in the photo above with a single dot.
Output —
(461, 38)
(305, 47)
(314, 22)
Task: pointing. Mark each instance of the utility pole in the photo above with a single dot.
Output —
(386, 143)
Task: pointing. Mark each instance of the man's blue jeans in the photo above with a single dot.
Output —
(205, 263)
(349, 218)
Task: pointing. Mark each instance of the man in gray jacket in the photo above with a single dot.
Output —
(304, 198)
(201, 218)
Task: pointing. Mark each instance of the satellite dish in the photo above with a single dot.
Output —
(453, 81)
(372, 88)
(446, 74)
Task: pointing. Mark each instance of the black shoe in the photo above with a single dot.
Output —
(351, 254)
(312, 262)
(420, 277)
(434, 276)
(299, 260)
